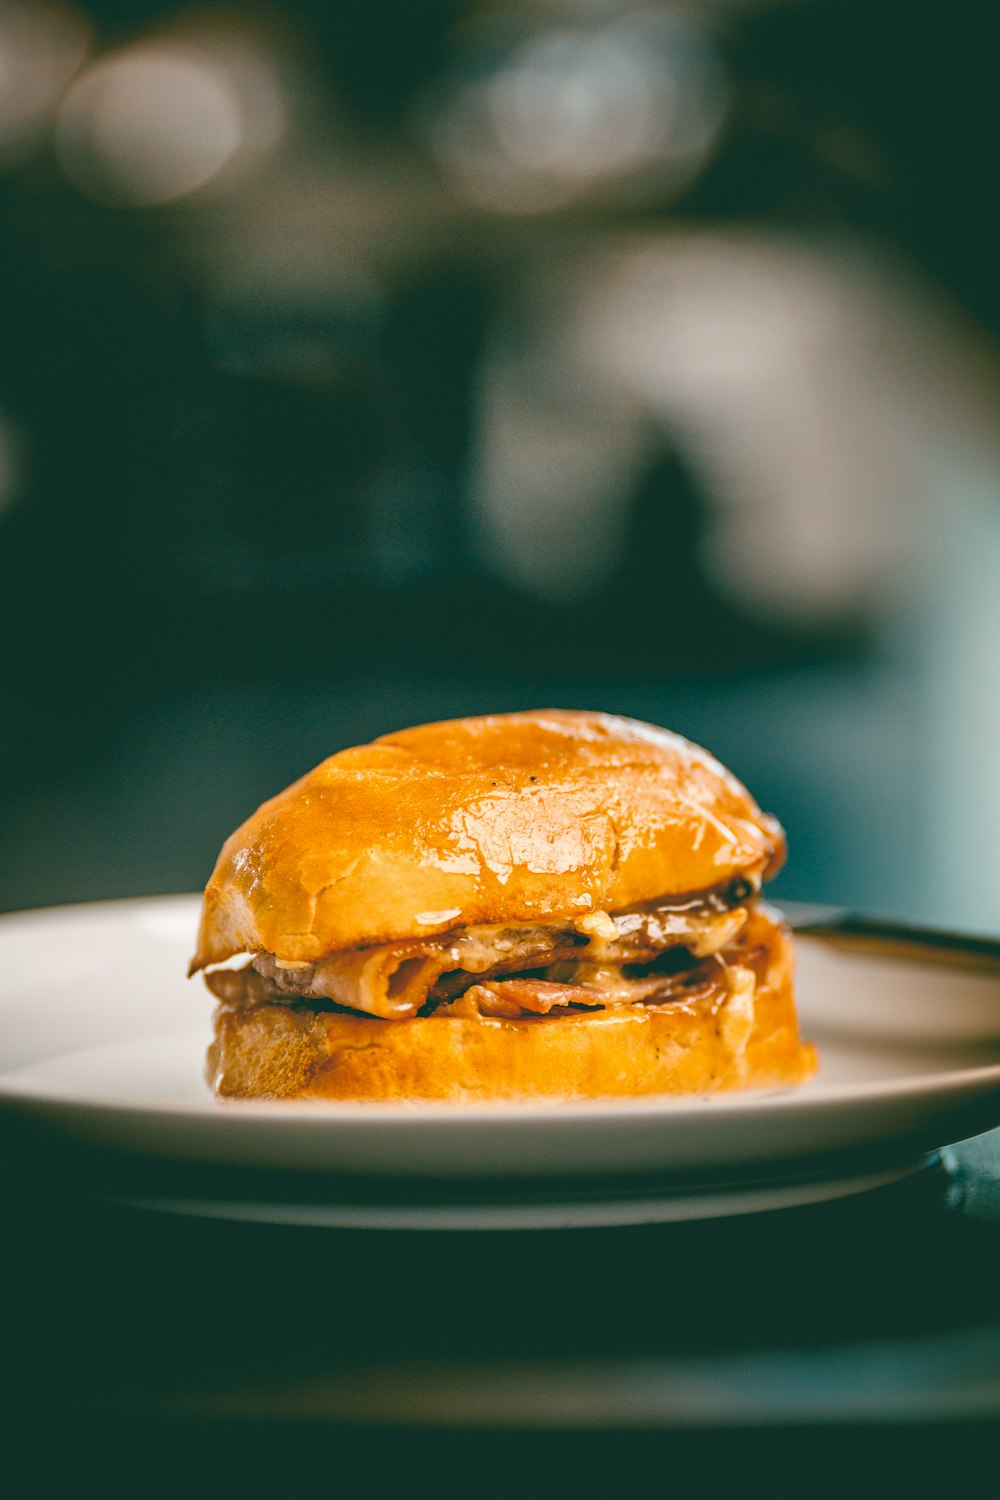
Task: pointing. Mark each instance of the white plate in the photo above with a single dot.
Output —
(101, 1047)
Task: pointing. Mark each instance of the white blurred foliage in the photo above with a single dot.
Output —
(790, 376)
(771, 365)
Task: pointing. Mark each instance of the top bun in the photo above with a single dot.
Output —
(516, 818)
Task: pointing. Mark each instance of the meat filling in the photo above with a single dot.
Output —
(651, 954)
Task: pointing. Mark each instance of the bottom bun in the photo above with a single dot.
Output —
(280, 1051)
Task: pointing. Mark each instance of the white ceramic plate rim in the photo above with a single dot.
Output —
(810, 1096)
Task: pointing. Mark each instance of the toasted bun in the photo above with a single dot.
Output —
(275, 1051)
(511, 818)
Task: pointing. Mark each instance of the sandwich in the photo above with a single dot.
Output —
(549, 905)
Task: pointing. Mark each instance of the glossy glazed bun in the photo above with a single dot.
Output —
(276, 1051)
(513, 818)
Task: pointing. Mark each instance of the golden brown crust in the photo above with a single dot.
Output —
(510, 818)
(278, 1051)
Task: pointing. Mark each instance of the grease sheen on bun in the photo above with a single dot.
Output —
(513, 818)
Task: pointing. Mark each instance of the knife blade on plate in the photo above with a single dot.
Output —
(845, 927)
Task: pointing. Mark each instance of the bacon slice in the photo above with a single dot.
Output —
(511, 998)
(730, 989)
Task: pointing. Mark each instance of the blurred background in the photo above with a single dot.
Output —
(371, 362)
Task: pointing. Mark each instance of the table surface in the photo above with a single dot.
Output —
(871, 1320)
